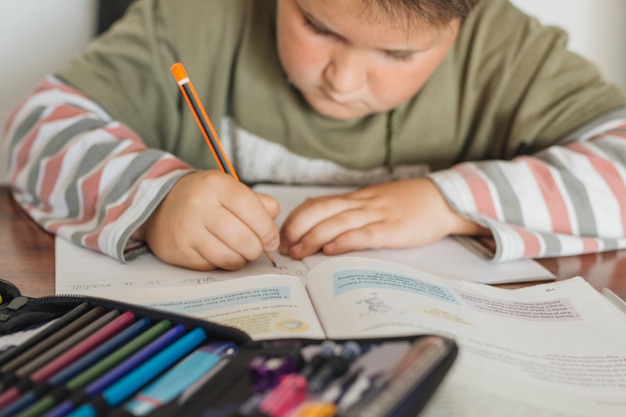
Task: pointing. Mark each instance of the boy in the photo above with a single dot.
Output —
(456, 117)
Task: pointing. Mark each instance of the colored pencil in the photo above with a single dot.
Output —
(120, 371)
(75, 368)
(44, 333)
(133, 381)
(55, 404)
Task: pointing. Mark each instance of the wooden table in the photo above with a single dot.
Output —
(26, 251)
(27, 257)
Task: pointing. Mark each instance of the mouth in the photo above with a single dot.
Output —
(341, 100)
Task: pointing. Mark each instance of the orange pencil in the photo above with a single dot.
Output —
(206, 127)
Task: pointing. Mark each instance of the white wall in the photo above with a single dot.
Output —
(596, 28)
(39, 36)
(36, 38)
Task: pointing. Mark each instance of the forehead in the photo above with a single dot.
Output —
(364, 22)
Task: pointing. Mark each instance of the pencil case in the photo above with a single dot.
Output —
(87, 356)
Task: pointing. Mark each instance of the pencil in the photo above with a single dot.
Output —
(206, 127)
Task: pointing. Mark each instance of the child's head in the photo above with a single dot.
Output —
(351, 58)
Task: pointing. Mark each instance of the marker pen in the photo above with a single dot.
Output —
(76, 367)
(287, 390)
(177, 379)
(334, 367)
(132, 382)
(105, 380)
(327, 349)
(327, 404)
(266, 371)
(294, 388)
(290, 393)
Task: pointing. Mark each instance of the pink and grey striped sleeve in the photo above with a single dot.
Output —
(82, 175)
(564, 200)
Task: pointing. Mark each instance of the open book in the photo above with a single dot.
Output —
(551, 349)
(80, 270)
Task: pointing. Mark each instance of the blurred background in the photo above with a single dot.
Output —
(38, 37)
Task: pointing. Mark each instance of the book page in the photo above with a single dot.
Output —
(265, 306)
(561, 337)
(82, 271)
(471, 391)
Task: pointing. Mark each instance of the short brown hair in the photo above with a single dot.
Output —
(431, 12)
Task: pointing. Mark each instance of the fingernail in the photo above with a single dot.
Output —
(273, 245)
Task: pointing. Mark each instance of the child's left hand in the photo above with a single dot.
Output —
(397, 214)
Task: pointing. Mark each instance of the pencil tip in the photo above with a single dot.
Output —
(270, 257)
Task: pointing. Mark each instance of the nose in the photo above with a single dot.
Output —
(345, 72)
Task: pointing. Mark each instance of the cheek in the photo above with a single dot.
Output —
(391, 88)
(397, 83)
(301, 59)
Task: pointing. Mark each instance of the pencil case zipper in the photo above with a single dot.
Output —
(21, 312)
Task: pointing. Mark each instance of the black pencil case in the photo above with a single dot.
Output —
(382, 377)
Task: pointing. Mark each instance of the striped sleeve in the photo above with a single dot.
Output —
(565, 200)
(81, 175)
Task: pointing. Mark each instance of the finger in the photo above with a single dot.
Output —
(311, 213)
(201, 250)
(232, 233)
(370, 236)
(382, 234)
(177, 249)
(329, 229)
(213, 251)
(250, 210)
(183, 255)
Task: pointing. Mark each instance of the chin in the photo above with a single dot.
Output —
(342, 115)
(336, 111)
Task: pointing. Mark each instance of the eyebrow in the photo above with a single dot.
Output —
(323, 27)
(317, 23)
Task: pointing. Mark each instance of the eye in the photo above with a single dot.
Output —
(316, 29)
(400, 56)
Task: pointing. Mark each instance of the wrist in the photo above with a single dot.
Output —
(457, 224)
(139, 235)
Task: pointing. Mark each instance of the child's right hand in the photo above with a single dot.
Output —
(208, 221)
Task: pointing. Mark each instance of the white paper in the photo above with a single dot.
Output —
(551, 349)
(82, 271)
